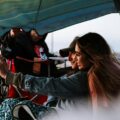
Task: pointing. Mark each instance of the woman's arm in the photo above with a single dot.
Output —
(74, 85)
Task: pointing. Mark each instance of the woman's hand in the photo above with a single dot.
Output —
(3, 67)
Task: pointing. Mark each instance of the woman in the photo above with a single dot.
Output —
(70, 53)
(103, 70)
(52, 101)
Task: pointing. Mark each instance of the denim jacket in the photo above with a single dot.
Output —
(65, 88)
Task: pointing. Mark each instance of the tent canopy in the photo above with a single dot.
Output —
(51, 15)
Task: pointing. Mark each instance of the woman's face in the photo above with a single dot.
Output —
(35, 36)
(81, 58)
(72, 59)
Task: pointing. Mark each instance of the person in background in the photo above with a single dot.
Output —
(26, 50)
(33, 54)
(42, 53)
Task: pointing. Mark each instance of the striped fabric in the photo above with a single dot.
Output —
(50, 15)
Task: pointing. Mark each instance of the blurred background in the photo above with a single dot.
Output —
(108, 26)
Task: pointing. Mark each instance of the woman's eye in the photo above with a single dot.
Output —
(78, 54)
(73, 52)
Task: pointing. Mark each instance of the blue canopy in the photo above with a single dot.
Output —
(51, 15)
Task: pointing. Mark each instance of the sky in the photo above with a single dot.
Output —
(108, 26)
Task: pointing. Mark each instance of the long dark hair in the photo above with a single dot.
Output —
(104, 73)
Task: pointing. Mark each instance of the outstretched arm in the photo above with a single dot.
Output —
(72, 86)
